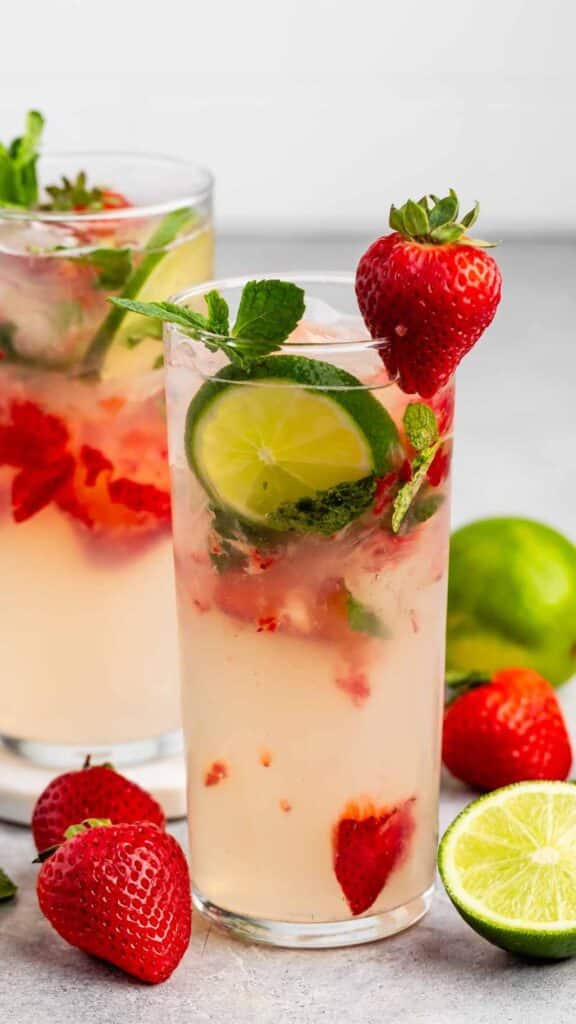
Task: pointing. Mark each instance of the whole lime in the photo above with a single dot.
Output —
(512, 598)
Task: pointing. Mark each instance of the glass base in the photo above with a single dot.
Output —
(64, 755)
(323, 935)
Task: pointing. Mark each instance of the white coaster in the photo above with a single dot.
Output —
(21, 782)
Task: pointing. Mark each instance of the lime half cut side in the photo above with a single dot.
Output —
(287, 429)
(508, 863)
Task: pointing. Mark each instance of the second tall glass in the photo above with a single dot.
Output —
(311, 580)
(87, 612)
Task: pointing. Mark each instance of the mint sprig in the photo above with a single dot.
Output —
(8, 889)
(18, 177)
(421, 428)
(269, 311)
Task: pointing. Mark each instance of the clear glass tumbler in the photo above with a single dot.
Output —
(87, 620)
(311, 547)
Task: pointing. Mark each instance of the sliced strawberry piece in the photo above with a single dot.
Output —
(98, 500)
(368, 845)
(142, 499)
(32, 438)
(33, 489)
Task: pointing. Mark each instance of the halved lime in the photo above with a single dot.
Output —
(512, 598)
(508, 863)
(285, 430)
(137, 345)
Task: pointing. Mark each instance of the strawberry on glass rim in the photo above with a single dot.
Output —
(429, 289)
(75, 196)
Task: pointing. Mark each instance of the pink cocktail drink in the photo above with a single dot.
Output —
(87, 624)
(311, 521)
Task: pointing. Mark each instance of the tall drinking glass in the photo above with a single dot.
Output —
(87, 614)
(311, 546)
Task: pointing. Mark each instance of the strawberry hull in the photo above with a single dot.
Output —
(326, 652)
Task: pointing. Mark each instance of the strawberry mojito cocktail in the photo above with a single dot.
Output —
(310, 464)
(87, 620)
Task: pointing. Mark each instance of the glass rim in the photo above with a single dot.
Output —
(328, 347)
(129, 213)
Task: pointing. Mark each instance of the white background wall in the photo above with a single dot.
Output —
(315, 115)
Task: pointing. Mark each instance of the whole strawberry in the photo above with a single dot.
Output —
(92, 792)
(121, 893)
(504, 729)
(429, 290)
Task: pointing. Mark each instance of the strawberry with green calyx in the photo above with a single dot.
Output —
(368, 845)
(120, 893)
(96, 791)
(504, 728)
(429, 289)
(74, 196)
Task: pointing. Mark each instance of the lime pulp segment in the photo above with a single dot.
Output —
(509, 865)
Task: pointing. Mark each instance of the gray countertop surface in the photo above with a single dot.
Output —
(514, 455)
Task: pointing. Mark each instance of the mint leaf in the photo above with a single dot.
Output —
(269, 311)
(420, 425)
(7, 888)
(113, 265)
(362, 619)
(410, 489)
(326, 512)
(168, 312)
(18, 179)
(218, 321)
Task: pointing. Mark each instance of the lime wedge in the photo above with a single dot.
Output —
(137, 345)
(285, 430)
(508, 863)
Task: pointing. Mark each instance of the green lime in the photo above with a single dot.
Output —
(508, 863)
(512, 598)
(285, 430)
(137, 345)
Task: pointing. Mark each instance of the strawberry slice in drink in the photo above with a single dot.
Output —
(368, 845)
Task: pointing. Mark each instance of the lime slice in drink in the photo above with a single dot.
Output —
(508, 863)
(285, 430)
(137, 345)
